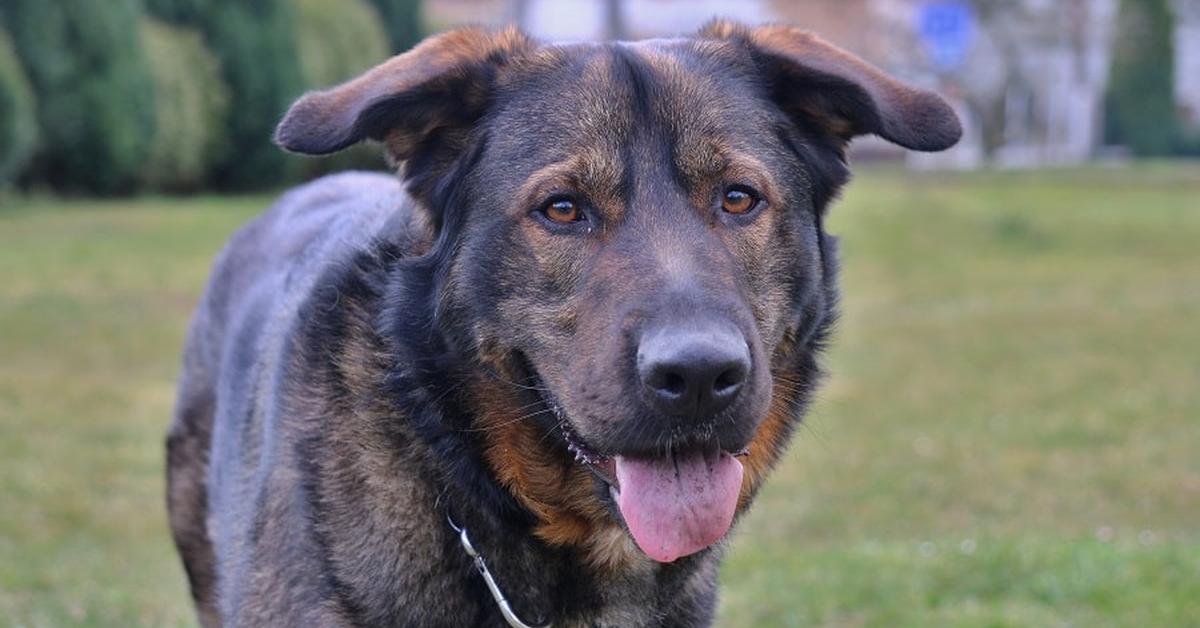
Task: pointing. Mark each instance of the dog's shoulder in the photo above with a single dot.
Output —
(271, 263)
(316, 222)
(274, 264)
(248, 327)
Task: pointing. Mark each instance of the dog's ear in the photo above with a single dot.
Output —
(443, 83)
(819, 83)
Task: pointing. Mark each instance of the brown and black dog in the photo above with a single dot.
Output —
(581, 324)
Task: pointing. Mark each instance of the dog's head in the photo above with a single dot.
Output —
(632, 233)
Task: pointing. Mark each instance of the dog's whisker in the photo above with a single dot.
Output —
(531, 404)
(540, 389)
(451, 389)
(548, 433)
(504, 423)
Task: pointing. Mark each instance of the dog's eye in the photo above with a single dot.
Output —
(739, 199)
(563, 210)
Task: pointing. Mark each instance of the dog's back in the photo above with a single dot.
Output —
(234, 353)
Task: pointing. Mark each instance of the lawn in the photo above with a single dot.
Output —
(1009, 435)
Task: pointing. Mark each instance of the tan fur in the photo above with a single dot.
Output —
(548, 482)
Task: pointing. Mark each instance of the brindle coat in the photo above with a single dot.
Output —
(375, 353)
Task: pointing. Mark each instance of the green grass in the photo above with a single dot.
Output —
(1010, 435)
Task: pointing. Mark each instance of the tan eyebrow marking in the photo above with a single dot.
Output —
(708, 163)
(594, 173)
(704, 154)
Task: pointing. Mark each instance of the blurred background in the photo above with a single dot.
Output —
(172, 96)
(1010, 433)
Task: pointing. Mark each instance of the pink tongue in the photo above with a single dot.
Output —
(678, 505)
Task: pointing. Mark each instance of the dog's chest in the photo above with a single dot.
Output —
(634, 594)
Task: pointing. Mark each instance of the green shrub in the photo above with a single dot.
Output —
(337, 42)
(1140, 104)
(191, 105)
(18, 122)
(178, 11)
(254, 43)
(93, 87)
(256, 46)
(402, 19)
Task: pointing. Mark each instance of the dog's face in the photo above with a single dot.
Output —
(632, 234)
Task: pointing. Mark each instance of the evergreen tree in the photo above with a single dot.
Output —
(191, 103)
(1140, 111)
(338, 42)
(255, 44)
(402, 19)
(93, 86)
(18, 121)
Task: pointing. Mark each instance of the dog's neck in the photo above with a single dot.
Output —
(502, 603)
(542, 584)
(561, 557)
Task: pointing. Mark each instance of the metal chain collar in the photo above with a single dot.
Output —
(481, 565)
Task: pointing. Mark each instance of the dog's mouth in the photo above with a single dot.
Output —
(674, 504)
(603, 466)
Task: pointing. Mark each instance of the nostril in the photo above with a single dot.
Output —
(673, 383)
(729, 381)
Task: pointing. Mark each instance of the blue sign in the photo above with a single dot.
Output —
(947, 27)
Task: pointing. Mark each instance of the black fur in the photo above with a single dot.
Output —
(355, 340)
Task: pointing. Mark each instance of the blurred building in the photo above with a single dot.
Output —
(1187, 61)
(1030, 82)
(1028, 77)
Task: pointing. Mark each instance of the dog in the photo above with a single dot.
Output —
(534, 378)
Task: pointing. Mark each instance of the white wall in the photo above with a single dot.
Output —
(1187, 59)
(571, 20)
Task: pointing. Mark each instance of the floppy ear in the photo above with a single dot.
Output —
(443, 83)
(820, 83)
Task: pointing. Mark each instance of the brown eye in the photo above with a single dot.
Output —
(739, 200)
(563, 210)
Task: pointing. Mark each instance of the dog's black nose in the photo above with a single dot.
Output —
(693, 370)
